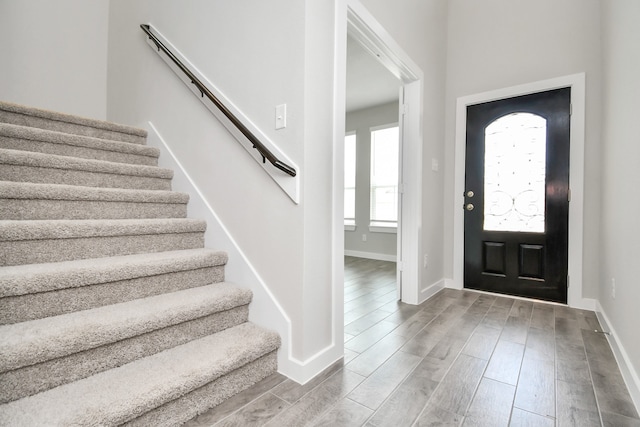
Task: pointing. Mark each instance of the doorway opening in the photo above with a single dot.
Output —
(372, 161)
(360, 25)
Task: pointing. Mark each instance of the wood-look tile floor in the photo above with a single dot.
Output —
(461, 358)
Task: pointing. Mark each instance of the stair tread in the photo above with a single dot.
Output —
(125, 319)
(35, 341)
(33, 278)
(121, 394)
(28, 190)
(53, 161)
(14, 230)
(51, 136)
(69, 118)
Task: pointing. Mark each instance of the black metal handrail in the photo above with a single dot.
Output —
(264, 151)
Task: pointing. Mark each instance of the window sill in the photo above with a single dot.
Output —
(349, 225)
(383, 227)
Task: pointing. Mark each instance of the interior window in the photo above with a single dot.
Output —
(350, 180)
(384, 176)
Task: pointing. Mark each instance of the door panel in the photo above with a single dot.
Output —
(516, 195)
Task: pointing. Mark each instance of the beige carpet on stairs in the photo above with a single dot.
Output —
(112, 311)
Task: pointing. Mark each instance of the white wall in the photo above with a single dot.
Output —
(620, 177)
(383, 245)
(322, 301)
(259, 54)
(53, 55)
(496, 44)
(419, 27)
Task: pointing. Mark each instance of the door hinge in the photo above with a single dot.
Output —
(570, 109)
(404, 108)
(400, 188)
(568, 281)
(400, 266)
(569, 195)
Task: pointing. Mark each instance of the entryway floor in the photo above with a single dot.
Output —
(461, 358)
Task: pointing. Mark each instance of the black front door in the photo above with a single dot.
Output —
(517, 196)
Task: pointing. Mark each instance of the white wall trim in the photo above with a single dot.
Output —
(371, 255)
(631, 377)
(304, 371)
(354, 18)
(576, 179)
(585, 304)
(432, 289)
(339, 125)
(452, 284)
(290, 185)
(265, 310)
(410, 249)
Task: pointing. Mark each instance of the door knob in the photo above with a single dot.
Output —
(469, 207)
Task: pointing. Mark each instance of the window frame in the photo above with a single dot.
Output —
(377, 225)
(350, 223)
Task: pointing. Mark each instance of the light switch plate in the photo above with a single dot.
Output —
(281, 116)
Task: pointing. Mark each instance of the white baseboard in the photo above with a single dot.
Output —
(370, 255)
(629, 374)
(304, 371)
(451, 284)
(585, 304)
(431, 290)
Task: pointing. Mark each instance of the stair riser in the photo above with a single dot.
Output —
(73, 128)
(53, 250)
(76, 151)
(21, 173)
(34, 209)
(43, 376)
(181, 410)
(40, 305)
(142, 340)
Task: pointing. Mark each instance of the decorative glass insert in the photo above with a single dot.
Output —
(514, 173)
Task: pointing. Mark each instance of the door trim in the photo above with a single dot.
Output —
(354, 18)
(576, 178)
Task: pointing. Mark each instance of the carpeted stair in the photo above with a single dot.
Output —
(111, 310)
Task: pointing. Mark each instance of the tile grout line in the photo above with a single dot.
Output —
(555, 364)
(249, 403)
(475, 392)
(524, 351)
(449, 369)
(375, 411)
(593, 385)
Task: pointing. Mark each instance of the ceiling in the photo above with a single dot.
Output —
(369, 83)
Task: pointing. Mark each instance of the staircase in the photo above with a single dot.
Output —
(111, 310)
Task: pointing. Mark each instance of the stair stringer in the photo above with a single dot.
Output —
(265, 311)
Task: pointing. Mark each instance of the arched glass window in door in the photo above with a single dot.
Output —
(514, 173)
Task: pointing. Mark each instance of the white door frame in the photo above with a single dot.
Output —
(353, 18)
(576, 177)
